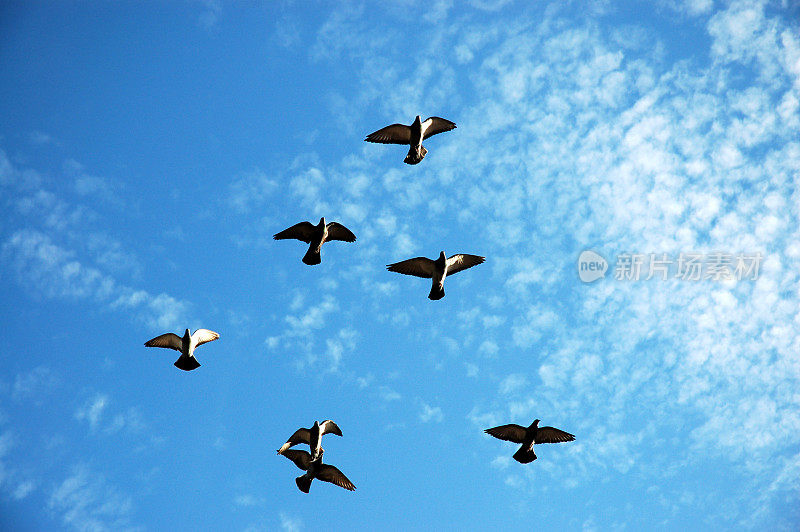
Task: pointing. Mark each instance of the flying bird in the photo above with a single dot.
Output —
(312, 436)
(185, 346)
(316, 469)
(316, 235)
(436, 270)
(412, 135)
(529, 437)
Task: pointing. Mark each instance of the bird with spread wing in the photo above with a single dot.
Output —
(315, 236)
(412, 135)
(436, 270)
(529, 437)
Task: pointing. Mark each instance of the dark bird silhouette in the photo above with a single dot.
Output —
(316, 235)
(412, 135)
(312, 436)
(185, 346)
(436, 270)
(528, 438)
(316, 469)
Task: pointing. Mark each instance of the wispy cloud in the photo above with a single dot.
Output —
(46, 268)
(86, 501)
(290, 523)
(92, 410)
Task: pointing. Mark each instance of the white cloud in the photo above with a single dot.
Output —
(290, 523)
(92, 410)
(85, 501)
(430, 414)
(35, 384)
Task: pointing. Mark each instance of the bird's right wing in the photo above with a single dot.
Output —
(462, 261)
(434, 125)
(513, 433)
(302, 231)
(169, 340)
(418, 267)
(553, 435)
(330, 473)
(329, 427)
(299, 436)
(300, 458)
(204, 336)
(337, 231)
(394, 134)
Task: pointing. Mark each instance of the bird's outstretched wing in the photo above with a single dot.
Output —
(302, 231)
(394, 134)
(434, 125)
(337, 231)
(513, 433)
(552, 435)
(299, 436)
(329, 427)
(418, 267)
(204, 336)
(330, 473)
(300, 458)
(462, 261)
(169, 340)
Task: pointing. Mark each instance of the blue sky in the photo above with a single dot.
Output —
(149, 153)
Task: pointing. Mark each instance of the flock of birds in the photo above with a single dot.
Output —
(434, 269)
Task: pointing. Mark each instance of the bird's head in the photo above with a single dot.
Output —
(316, 424)
(442, 256)
(322, 221)
(187, 332)
(535, 423)
(418, 120)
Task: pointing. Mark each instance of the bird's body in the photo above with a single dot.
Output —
(312, 436)
(314, 468)
(315, 236)
(412, 135)
(528, 437)
(436, 270)
(185, 346)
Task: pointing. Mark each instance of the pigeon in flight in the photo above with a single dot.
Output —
(185, 345)
(316, 469)
(436, 270)
(316, 235)
(528, 437)
(312, 436)
(412, 135)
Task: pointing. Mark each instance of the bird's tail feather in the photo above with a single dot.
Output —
(187, 363)
(524, 456)
(437, 293)
(415, 155)
(304, 483)
(312, 257)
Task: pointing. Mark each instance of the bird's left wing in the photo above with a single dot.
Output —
(418, 267)
(394, 134)
(512, 432)
(329, 427)
(552, 435)
(337, 231)
(330, 473)
(301, 435)
(434, 125)
(462, 261)
(300, 458)
(169, 341)
(204, 336)
(302, 231)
